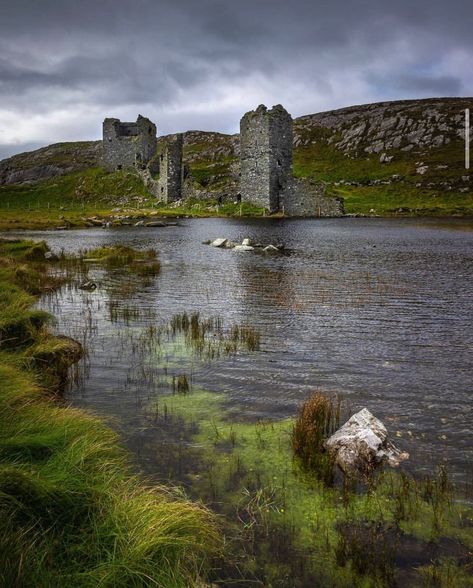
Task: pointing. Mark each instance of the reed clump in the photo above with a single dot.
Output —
(318, 418)
(210, 339)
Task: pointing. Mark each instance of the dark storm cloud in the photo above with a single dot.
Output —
(65, 64)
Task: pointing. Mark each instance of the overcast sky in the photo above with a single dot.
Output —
(200, 64)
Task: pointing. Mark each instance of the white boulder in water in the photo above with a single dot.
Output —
(219, 242)
(270, 249)
(362, 444)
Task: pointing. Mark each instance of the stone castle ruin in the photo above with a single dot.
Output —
(265, 156)
(266, 144)
(265, 165)
(127, 145)
(171, 169)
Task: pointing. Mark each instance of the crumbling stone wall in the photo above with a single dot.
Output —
(128, 145)
(171, 169)
(302, 197)
(266, 155)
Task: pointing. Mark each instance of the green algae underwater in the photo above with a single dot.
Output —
(286, 527)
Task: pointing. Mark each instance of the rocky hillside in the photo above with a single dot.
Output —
(384, 158)
(55, 160)
(405, 156)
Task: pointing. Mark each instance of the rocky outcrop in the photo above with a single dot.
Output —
(378, 128)
(48, 162)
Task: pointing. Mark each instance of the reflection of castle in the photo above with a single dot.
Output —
(266, 143)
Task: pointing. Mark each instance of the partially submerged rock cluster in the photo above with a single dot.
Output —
(127, 221)
(246, 245)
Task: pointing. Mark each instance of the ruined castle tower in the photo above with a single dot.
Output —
(128, 144)
(170, 169)
(266, 156)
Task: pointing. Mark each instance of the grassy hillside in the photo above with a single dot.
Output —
(71, 197)
(389, 188)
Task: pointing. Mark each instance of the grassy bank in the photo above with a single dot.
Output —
(71, 512)
(77, 200)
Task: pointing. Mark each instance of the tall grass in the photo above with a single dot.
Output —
(318, 418)
(72, 514)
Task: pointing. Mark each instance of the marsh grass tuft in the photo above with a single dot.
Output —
(180, 384)
(318, 418)
(209, 339)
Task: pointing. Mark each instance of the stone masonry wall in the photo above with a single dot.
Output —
(266, 155)
(302, 197)
(170, 169)
(128, 145)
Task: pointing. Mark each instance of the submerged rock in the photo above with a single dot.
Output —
(362, 444)
(219, 242)
(243, 248)
(88, 285)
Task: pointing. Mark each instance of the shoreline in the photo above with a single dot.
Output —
(74, 513)
(108, 221)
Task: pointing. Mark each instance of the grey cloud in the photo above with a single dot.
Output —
(203, 63)
(435, 85)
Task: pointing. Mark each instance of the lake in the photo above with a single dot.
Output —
(376, 310)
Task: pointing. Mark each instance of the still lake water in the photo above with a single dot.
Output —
(377, 310)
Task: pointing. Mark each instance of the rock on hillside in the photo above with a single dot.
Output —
(406, 125)
(55, 160)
